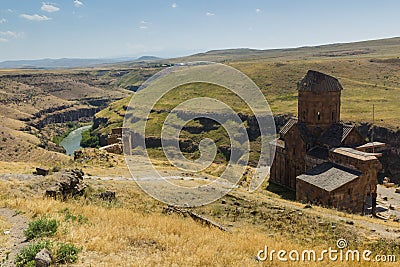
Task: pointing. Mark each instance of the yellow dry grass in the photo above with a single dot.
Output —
(122, 237)
(4, 226)
(135, 232)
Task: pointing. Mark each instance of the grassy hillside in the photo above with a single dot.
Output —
(368, 70)
(365, 81)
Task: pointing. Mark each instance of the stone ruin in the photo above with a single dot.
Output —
(66, 184)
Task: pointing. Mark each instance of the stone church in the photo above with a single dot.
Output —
(324, 160)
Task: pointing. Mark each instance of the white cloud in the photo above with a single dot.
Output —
(10, 10)
(78, 3)
(174, 5)
(49, 8)
(3, 21)
(7, 35)
(143, 25)
(35, 17)
(210, 14)
(258, 10)
(10, 34)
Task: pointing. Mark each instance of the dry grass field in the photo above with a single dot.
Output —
(133, 230)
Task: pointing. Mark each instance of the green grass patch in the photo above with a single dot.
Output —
(27, 255)
(62, 253)
(90, 139)
(43, 227)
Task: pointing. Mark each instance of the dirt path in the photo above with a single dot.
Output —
(16, 233)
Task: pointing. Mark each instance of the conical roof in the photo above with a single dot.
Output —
(316, 81)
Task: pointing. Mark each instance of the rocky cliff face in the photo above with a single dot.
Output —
(63, 115)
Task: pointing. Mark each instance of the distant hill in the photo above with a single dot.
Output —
(387, 47)
(148, 58)
(63, 63)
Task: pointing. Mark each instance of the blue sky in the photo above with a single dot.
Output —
(31, 29)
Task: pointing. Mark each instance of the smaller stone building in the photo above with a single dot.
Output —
(343, 182)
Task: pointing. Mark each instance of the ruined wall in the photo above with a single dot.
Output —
(277, 173)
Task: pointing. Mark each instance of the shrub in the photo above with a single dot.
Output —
(63, 253)
(66, 253)
(41, 228)
(73, 218)
(27, 255)
(89, 140)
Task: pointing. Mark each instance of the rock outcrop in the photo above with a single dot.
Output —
(43, 258)
(65, 115)
(66, 184)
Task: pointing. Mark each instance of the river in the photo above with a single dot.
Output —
(72, 142)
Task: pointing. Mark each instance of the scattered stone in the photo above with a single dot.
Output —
(350, 222)
(386, 180)
(373, 230)
(385, 198)
(7, 232)
(107, 195)
(223, 202)
(78, 154)
(388, 185)
(308, 206)
(253, 212)
(68, 183)
(41, 171)
(43, 258)
(396, 219)
(113, 148)
(51, 193)
(397, 190)
(392, 207)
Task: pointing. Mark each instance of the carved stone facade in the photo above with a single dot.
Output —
(320, 157)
